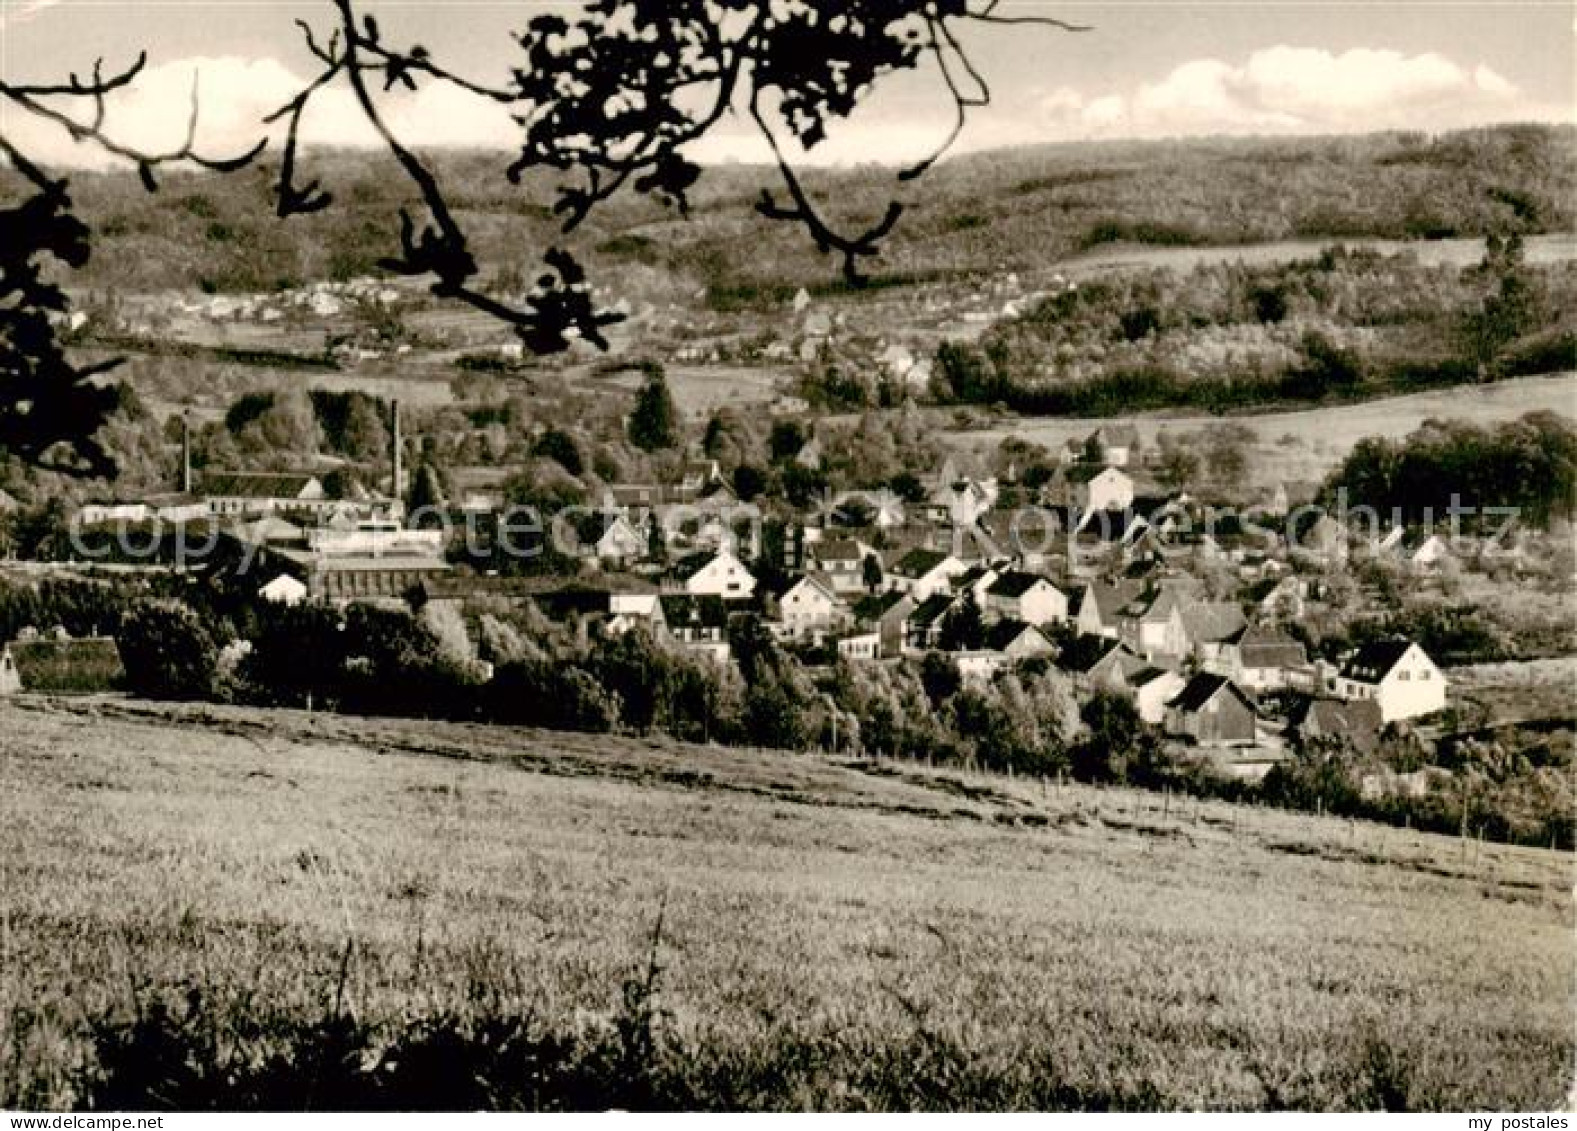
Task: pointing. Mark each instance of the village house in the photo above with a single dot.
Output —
(885, 614)
(1111, 445)
(1100, 663)
(699, 475)
(960, 503)
(1153, 626)
(1283, 598)
(1152, 689)
(860, 646)
(1026, 597)
(1207, 625)
(1212, 711)
(810, 608)
(1091, 487)
(1098, 606)
(1261, 658)
(1396, 674)
(974, 582)
(715, 574)
(698, 624)
(1356, 722)
(607, 537)
(1016, 640)
(842, 562)
(631, 610)
(921, 573)
(923, 625)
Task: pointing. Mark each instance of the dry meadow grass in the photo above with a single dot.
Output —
(219, 907)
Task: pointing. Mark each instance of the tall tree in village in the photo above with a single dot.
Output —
(654, 422)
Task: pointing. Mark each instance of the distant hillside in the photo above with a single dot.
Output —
(1015, 209)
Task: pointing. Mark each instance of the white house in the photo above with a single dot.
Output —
(861, 646)
(810, 607)
(1112, 445)
(1396, 674)
(1094, 488)
(718, 574)
(1027, 597)
(922, 573)
(1152, 689)
(607, 536)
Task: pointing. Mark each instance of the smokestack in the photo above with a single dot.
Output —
(399, 456)
(186, 453)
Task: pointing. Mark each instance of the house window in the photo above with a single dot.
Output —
(1405, 676)
(1424, 674)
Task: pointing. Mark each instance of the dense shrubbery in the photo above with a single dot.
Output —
(1528, 464)
(1345, 324)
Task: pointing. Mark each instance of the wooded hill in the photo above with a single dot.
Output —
(1009, 210)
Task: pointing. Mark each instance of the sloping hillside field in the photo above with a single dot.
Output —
(218, 907)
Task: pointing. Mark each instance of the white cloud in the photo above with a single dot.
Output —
(234, 96)
(1286, 89)
(1276, 90)
(13, 12)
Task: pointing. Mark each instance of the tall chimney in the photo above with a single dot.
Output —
(399, 456)
(186, 453)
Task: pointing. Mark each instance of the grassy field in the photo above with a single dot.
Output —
(1307, 443)
(219, 907)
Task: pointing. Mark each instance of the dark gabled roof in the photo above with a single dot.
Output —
(1111, 526)
(1109, 598)
(1005, 631)
(1145, 676)
(1084, 652)
(686, 610)
(918, 562)
(590, 528)
(691, 564)
(1372, 662)
(875, 607)
(1204, 687)
(931, 610)
(1084, 472)
(257, 484)
(836, 549)
(1015, 583)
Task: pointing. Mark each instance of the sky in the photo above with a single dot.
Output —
(1147, 68)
